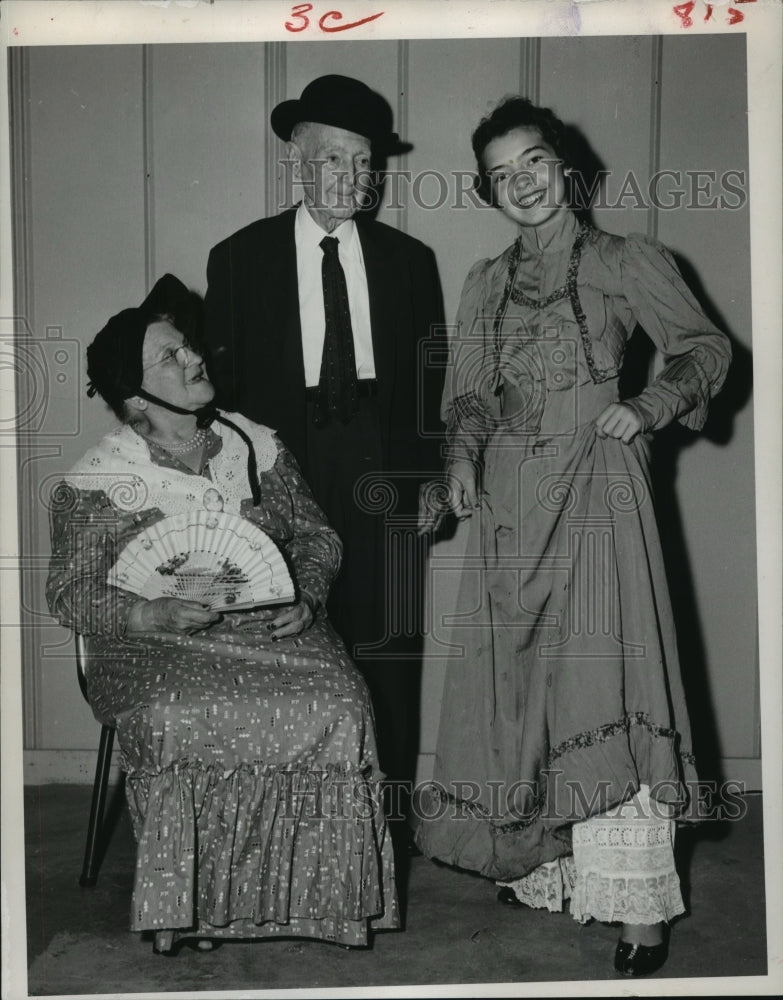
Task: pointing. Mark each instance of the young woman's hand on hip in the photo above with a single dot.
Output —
(618, 421)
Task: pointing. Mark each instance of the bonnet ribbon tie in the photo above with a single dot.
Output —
(205, 415)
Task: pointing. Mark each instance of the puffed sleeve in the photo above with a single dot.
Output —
(461, 409)
(696, 353)
(87, 534)
(314, 549)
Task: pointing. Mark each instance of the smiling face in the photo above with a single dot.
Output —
(172, 370)
(526, 177)
(333, 166)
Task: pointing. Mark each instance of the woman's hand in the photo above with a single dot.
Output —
(169, 614)
(433, 505)
(463, 490)
(294, 619)
(456, 491)
(619, 421)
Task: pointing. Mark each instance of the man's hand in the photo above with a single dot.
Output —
(170, 614)
(618, 421)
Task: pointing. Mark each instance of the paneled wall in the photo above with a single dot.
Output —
(131, 161)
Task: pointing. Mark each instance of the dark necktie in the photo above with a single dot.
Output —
(337, 394)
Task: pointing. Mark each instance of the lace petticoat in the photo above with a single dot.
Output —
(622, 868)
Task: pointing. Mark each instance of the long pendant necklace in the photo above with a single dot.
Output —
(518, 296)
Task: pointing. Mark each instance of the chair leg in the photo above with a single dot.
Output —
(89, 874)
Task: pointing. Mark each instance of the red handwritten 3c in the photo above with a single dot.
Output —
(300, 21)
(300, 11)
(344, 27)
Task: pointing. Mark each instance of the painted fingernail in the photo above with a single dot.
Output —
(275, 638)
(269, 627)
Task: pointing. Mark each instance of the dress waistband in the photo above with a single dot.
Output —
(536, 411)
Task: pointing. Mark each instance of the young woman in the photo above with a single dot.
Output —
(564, 748)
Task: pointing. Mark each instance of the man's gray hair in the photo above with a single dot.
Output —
(304, 133)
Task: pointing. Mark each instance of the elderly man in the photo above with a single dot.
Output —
(315, 320)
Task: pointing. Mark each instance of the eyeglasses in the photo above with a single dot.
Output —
(183, 355)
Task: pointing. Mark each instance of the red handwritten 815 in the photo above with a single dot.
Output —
(684, 11)
(300, 21)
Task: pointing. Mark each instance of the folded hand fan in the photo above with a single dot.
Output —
(219, 559)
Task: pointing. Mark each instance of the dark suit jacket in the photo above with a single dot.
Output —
(254, 343)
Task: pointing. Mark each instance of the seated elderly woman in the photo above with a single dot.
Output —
(247, 737)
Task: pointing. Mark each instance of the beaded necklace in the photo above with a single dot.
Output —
(191, 444)
(568, 289)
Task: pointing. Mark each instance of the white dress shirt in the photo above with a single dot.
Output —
(309, 256)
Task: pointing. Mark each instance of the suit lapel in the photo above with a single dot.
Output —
(381, 268)
(277, 281)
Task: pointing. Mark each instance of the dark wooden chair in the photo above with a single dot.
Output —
(92, 851)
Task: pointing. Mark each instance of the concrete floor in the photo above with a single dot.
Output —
(78, 941)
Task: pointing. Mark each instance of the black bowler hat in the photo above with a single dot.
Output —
(345, 103)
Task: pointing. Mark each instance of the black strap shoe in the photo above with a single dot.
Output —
(639, 959)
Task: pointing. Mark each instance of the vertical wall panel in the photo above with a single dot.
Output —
(207, 150)
(604, 87)
(703, 128)
(85, 194)
(453, 84)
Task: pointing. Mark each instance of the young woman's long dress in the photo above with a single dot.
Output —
(565, 695)
(252, 772)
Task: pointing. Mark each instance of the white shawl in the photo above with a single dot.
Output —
(120, 465)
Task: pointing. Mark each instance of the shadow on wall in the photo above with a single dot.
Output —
(668, 444)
